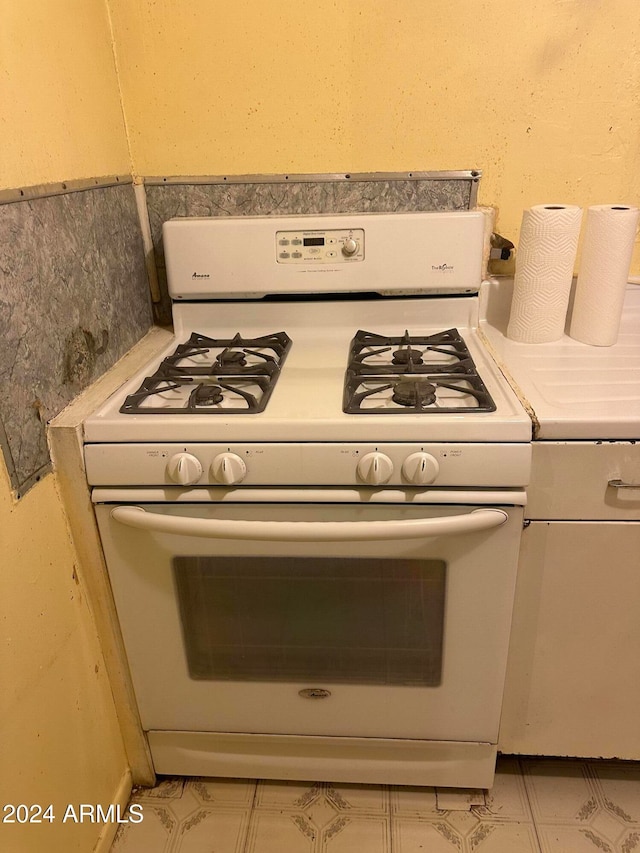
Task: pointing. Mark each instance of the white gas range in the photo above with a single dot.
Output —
(311, 505)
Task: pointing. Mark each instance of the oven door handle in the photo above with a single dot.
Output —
(309, 531)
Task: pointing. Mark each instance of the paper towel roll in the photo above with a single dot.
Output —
(544, 271)
(604, 268)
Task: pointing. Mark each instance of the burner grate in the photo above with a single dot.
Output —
(213, 376)
(428, 374)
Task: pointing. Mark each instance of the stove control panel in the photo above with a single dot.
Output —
(388, 465)
(320, 247)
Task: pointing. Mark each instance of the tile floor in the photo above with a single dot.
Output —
(535, 806)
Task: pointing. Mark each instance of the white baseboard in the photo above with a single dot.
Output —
(120, 798)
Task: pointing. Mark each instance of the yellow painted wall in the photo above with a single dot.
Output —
(60, 111)
(59, 741)
(543, 96)
(60, 119)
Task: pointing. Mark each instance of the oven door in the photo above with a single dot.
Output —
(377, 619)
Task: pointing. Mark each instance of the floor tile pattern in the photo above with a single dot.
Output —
(535, 806)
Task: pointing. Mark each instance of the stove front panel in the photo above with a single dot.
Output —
(284, 464)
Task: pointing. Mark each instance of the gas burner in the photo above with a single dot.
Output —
(413, 374)
(414, 392)
(231, 357)
(206, 395)
(245, 369)
(407, 356)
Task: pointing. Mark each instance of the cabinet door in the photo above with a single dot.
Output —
(573, 677)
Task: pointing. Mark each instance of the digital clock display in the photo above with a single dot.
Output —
(313, 241)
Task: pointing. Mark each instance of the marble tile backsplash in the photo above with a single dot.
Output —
(281, 198)
(74, 298)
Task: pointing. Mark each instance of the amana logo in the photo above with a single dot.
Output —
(200, 275)
(442, 267)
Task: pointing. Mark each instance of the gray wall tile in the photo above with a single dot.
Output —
(73, 299)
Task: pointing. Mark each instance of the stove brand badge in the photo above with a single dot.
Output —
(442, 267)
(200, 275)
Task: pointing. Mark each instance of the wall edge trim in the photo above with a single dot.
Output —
(120, 798)
(472, 175)
(9, 196)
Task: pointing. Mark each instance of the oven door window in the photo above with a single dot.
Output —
(292, 619)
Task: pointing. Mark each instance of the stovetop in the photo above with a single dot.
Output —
(386, 374)
(422, 374)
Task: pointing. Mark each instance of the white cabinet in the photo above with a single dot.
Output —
(573, 678)
(569, 480)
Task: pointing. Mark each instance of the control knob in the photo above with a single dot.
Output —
(419, 469)
(375, 468)
(228, 468)
(184, 469)
(349, 247)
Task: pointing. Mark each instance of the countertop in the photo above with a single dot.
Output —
(573, 391)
